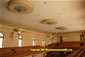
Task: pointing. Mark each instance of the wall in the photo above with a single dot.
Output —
(69, 36)
(11, 37)
(12, 41)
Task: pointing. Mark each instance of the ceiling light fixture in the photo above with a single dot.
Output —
(20, 6)
(61, 28)
(49, 21)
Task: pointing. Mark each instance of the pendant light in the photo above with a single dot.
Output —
(1, 20)
(50, 22)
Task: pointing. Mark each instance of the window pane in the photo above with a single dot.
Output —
(33, 41)
(20, 43)
(1, 42)
(1, 35)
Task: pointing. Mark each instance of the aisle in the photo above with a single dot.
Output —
(83, 55)
(57, 54)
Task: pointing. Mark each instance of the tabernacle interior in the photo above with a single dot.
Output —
(42, 28)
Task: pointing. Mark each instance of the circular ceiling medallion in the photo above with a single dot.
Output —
(20, 6)
(49, 21)
(61, 28)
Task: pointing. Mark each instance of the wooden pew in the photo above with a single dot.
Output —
(76, 53)
(18, 51)
(69, 45)
(77, 49)
(26, 51)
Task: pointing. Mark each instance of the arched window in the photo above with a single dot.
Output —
(20, 40)
(33, 41)
(1, 40)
